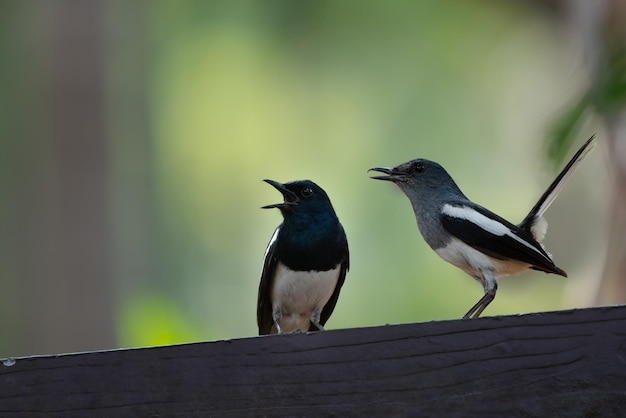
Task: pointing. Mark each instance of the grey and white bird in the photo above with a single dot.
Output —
(471, 237)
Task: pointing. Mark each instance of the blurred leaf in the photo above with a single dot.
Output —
(606, 96)
(611, 89)
(150, 319)
(563, 132)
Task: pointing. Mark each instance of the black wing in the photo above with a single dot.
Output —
(264, 303)
(518, 245)
(330, 305)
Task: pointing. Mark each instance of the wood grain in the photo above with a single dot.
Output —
(566, 363)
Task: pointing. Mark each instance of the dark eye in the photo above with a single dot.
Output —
(418, 167)
(306, 192)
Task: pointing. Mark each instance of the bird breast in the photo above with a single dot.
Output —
(299, 293)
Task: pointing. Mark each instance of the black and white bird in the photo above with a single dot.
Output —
(473, 238)
(305, 262)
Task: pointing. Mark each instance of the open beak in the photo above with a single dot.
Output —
(290, 197)
(392, 175)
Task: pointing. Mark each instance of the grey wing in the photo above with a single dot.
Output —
(264, 317)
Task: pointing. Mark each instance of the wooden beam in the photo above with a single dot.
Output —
(566, 363)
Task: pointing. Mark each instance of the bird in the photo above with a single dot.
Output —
(305, 263)
(471, 237)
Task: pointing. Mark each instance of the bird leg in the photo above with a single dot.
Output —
(315, 319)
(491, 286)
(276, 315)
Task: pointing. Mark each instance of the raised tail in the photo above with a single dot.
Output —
(533, 222)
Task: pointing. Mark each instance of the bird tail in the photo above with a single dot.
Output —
(534, 222)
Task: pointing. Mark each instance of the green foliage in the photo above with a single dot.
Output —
(152, 318)
(563, 131)
(605, 96)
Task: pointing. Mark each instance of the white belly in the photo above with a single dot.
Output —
(298, 293)
(475, 263)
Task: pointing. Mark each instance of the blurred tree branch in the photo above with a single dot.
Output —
(60, 283)
(598, 28)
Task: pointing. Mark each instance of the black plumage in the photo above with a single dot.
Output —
(305, 262)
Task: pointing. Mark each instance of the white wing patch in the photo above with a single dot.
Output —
(272, 240)
(490, 225)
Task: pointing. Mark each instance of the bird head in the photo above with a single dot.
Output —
(418, 176)
(300, 196)
(414, 172)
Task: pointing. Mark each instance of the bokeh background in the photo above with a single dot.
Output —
(134, 136)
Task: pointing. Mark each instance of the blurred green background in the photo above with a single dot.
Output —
(134, 137)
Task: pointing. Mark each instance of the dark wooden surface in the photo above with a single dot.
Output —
(566, 363)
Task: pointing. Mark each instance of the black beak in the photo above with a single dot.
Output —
(392, 175)
(290, 197)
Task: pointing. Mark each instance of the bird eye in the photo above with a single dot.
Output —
(418, 167)
(306, 192)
